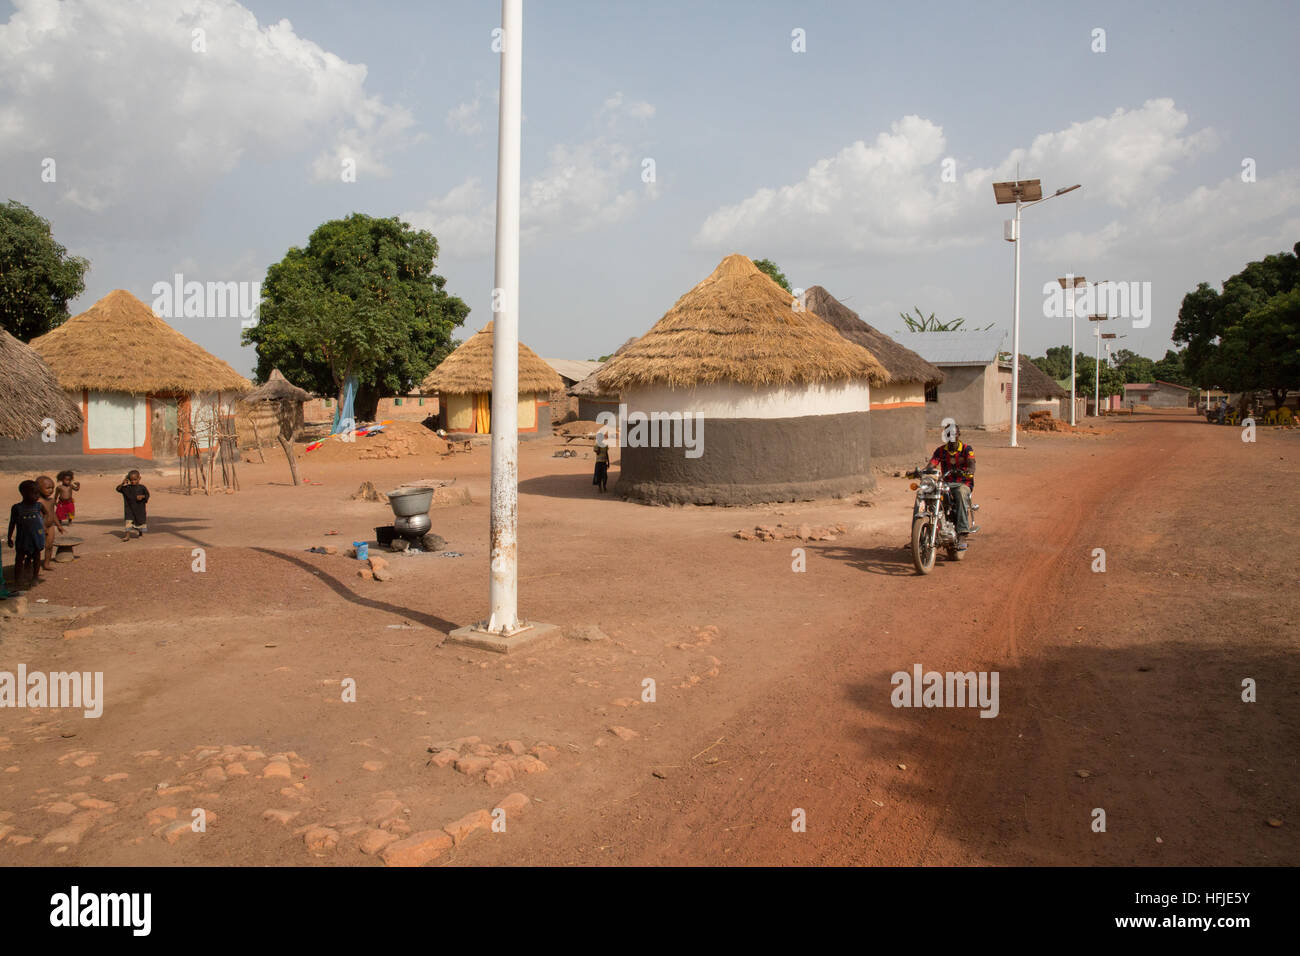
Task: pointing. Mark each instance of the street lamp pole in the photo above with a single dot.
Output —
(1069, 284)
(1024, 193)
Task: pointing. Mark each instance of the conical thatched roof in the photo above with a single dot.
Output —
(119, 345)
(30, 393)
(277, 388)
(902, 363)
(738, 326)
(468, 370)
(588, 387)
(1035, 383)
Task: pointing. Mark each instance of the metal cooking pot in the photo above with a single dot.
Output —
(408, 502)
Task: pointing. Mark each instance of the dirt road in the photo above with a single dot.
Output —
(772, 686)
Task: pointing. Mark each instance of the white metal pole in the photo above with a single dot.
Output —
(503, 590)
(1069, 281)
(1096, 389)
(1015, 336)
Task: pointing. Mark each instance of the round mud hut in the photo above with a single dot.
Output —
(145, 389)
(274, 409)
(35, 414)
(737, 397)
(463, 382)
(898, 408)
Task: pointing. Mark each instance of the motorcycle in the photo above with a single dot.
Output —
(934, 521)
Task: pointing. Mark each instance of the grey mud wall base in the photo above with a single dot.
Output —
(749, 461)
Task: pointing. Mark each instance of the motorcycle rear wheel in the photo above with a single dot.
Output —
(923, 549)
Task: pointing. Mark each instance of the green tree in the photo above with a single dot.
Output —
(1085, 376)
(1170, 369)
(37, 276)
(1133, 367)
(1247, 337)
(921, 323)
(1056, 363)
(773, 270)
(360, 300)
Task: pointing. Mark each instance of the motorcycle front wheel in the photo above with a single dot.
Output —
(923, 549)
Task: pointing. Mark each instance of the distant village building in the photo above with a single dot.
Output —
(1159, 395)
(898, 408)
(976, 389)
(463, 383)
(144, 389)
(564, 404)
(785, 401)
(591, 398)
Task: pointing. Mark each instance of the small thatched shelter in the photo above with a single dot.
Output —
(591, 399)
(463, 382)
(274, 410)
(784, 399)
(1039, 393)
(144, 389)
(29, 398)
(898, 409)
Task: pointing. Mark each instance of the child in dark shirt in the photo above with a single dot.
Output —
(134, 496)
(27, 517)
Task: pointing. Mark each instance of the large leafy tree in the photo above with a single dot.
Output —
(1056, 363)
(773, 270)
(37, 276)
(361, 300)
(1247, 337)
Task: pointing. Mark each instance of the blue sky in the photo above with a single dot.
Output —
(828, 161)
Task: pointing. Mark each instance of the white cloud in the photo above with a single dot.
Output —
(889, 196)
(137, 118)
(464, 117)
(583, 186)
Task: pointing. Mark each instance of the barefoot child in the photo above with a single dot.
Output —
(27, 518)
(53, 526)
(134, 496)
(64, 507)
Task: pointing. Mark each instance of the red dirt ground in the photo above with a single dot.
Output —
(773, 687)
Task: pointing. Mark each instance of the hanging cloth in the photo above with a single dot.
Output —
(344, 418)
(483, 413)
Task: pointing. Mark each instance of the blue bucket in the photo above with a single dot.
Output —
(363, 549)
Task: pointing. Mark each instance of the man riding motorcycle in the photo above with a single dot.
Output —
(956, 463)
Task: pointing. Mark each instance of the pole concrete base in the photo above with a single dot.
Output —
(476, 635)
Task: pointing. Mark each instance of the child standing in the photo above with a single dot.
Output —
(53, 526)
(601, 478)
(28, 519)
(134, 496)
(64, 507)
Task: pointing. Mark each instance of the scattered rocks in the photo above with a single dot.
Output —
(77, 633)
(383, 809)
(529, 764)
(280, 816)
(514, 803)
(372, 842)
(160, 815)
(377, 563)
(365, 574)
(114, 777)
(277, 768)
(399, 545)
(435, 542)
(321, 839)
(472, 766)
(418, 849)
(803, 532)
(462, 828)
(368, 492)
(444, 757)
(586, 632)
(72, 833)
(516, 747)
(374, 766)
(624, 733)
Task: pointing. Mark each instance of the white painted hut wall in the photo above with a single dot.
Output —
(114, 420)
(730, 400)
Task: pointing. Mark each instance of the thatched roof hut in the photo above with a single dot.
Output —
(1036, 384)
(739, 326)
(145, 389)
(119, 345)
(468, 370)
(30, 394)
(902, 363)
(277, 388)
(784, 398)
(463, 381)
(898, 409)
